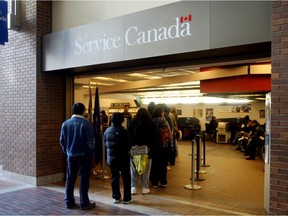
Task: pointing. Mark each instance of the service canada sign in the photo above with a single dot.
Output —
(181, 28)
(135, 36)
(174, 28)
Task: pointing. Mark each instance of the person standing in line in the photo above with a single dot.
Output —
(104, 119)
(118, 145)
(143, 133)
(77, 142)
(127, 115)
(174, 113)
(151, 106)
(160, 155)
(173, 151)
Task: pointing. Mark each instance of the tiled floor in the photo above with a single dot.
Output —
(230, 186)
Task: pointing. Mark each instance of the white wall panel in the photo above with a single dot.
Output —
(68, 14)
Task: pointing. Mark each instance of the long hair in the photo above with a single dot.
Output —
(143, 113)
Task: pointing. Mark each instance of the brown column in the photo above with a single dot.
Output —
(32, 103)
(279, 110)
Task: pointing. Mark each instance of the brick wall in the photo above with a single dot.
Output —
(32, 103)
(50, 103)
(279, 110)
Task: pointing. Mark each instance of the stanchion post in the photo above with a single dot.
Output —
(103, 176)
(192, 186)
(204, 150)
(198, 158)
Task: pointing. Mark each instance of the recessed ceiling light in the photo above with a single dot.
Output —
(110, 79)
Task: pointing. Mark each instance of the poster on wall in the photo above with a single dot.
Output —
(240, 108)
(209, 114)
(261, 113)
(198, 113)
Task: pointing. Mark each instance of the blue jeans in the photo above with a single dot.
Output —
(144, 177)
(75, 165)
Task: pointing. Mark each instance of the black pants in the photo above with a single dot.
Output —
(159, 167)
(82, 165)
(120, 168)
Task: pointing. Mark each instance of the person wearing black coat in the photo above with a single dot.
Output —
(118, 145)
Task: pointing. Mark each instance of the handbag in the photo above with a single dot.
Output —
(139, 158)
(138, 150)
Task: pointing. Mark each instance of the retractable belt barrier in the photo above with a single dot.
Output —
(198, 159)
(192, 185)
(204, 150)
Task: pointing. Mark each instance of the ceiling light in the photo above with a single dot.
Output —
(110, 79)
(188, 71)
(194, 83)
(101, 83)
(143, 76)
(137, 75)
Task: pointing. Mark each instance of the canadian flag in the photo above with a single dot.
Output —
(186, 18)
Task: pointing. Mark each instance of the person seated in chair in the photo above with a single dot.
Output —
(211, 128)
(256, 140)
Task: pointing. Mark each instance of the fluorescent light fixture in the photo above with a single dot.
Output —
(110, 79)
(189, 71)
(101, 83)
(193, 100)
(144, 76)
(137, 75)
(194, 84)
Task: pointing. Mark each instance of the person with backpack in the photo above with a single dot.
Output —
(160, 155)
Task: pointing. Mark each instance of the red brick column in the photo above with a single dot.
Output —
(279, 110)
(32, 103)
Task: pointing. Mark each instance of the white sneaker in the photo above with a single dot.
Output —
(127, 202)
(117, 201)
(133, 190)
(145, 191)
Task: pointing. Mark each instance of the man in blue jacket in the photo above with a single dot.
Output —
(77, 142)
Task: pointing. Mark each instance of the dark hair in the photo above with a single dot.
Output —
(166, 108)
(158, 111)
(151, 106)
(103, 112)
(143, 113)
(117, 119)
(78, 109)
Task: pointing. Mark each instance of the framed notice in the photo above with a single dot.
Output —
(261, 113)
(242, 108)
(209, 114)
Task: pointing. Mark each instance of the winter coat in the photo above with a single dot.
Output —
(118, 144)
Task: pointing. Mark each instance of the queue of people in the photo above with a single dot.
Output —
(153, 128)
(149, 129)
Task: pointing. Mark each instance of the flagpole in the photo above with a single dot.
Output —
(99, 140)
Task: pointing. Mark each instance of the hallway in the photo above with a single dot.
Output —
(231, 186)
